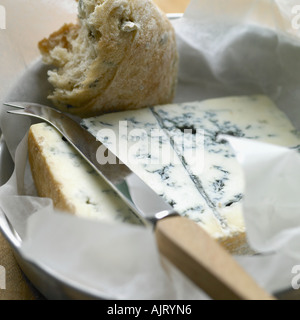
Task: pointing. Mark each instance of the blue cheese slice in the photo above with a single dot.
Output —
(203, 181)
(220, 177)
(61, 174)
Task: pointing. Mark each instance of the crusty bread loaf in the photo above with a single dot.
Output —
(121, 55)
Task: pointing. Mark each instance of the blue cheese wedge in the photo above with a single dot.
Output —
(61, 174)
(220, 178)
(176, 150)
(203, 179)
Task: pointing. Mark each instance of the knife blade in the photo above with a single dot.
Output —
(200, 257)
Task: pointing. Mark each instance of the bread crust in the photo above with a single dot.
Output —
(62, 38)
(122, 55)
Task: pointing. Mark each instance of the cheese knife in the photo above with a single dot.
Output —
(183, 242)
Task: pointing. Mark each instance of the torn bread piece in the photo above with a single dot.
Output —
(121, 55)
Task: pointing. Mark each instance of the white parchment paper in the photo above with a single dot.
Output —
(226, 48)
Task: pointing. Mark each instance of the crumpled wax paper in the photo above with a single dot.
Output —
(226, 48)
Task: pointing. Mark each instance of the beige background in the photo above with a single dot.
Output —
(17, 287)
(172, 6)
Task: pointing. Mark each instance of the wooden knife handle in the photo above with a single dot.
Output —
(202, 259)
